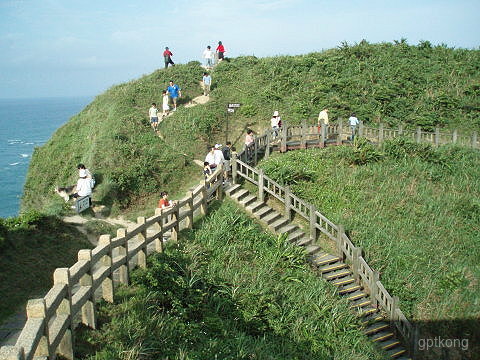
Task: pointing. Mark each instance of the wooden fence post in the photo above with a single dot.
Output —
(107, 284)
(89, 317)
(159, 226)
(190, 210)
(65, 348)
(400, 130)
(233, 162)
(142, 237)
(418, 135)
(357, 253)
(255, 151)
(203, 206)
(374, 287)
(380, 134)
(474, 139)
(219, 192)
(12, 353)
(323, 135)
(123, 270)
(37, 309)
(395, 304)
(454, 136)
(267, 145)
(340, 232)
(313, 223)
(339, 131)
(288, 201)
(437, 136)
(176, 227)
(283, 146)
(261, 193)
(303, 135)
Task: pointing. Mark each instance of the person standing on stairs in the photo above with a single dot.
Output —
(167, 56)
(174, 92)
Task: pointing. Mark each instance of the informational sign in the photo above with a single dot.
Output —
(232, 106)
(231, 110)
(82, 203)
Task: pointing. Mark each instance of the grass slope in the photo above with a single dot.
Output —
(421, 85)
(230, 291)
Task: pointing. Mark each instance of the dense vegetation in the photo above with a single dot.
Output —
(230, 291)
(32, 246)
(420, 85)
(414, 209)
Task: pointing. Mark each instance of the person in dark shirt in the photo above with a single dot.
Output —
(167, 56)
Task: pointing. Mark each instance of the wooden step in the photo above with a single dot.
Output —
(356, 295)
(360, 303)
(294, 236)
(332, 267)
(239, 194)
(312, 249)
(366, 311)
(372, 318)
(287, 229)
(271, 217)
(382, 336)
(396, 352)
(229, 190)
(374, 328)
(251, 208)
(343, 281)
(262, 211)
(389, 344)
(247, 200)
(325, 259)
(349, 289)
(278, 223)
(303, 241)
(337, 274)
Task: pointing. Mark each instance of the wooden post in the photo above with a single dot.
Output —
(418, 135)
(357, 253)
(454, 136)
(261, 193)
(123, 270)
(142, 237)
(395, 304)
(374, 287)
(400, 130)
(159, 226)
(233, 162)
(339, 131)
(107, 284)
(175, 229)
(288, 201)
(65, 348)
(360, 129)
(203, 206)
(283, 146)
(89, 317)
(219, 192)
(437, 136)
(313, 223)
(323, 137)
(255, 151)
(8, 352)
(267, 145)
(380, 134)
(474, 140)
(37, 309)
(340, 232)
(303, 135)
(190, 210)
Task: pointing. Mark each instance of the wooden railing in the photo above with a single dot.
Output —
(52, 319)
(319, 223)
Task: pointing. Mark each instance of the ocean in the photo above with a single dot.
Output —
(24, 125)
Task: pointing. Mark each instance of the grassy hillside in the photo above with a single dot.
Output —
(421, 85)
(414, 210)
(230, 291)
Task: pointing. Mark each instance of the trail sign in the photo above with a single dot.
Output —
(231, 106)
(230, 110)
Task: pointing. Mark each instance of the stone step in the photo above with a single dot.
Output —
(312, 249)
(343, 281)
(303, 241)
(375, 328)
(366, 311)
(349, 289)
(356, 295)
(271, 217)
(372, 318)
(287, 229)
(247, 200)
(251, 208)
(325, 259)
(396, 352)
(382, 336)
(229, 190)
(294, 236)
(239, 194)
(389, 344)
(360, 303)
(277, 224)
(262, 211)
(337, 274)
(332, 267)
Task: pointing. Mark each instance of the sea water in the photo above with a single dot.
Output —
(24, 125)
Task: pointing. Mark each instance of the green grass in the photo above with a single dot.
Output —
(412, 208)
(33, 246)
(230, 291)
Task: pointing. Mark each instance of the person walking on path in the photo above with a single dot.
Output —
(322, 118)
(153, 115)
(89, 174)
(167, 56)
(165, 107)
(275, 123)
(208, 56)
(206, 82)
(249, 144)
(353, 124)
(220, 51)
(174, 92)
(83, 187)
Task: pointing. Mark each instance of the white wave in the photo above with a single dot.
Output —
(29, 143)
(24, 155)
(13, 164)
(12, 142)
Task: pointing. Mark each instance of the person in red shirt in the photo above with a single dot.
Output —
(167, 56)
(220, 51)
(164, 203)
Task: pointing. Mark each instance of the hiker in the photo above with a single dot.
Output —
(83, 187)
(274, 123)
(208, 56)
(153, 115)
(164, 203)
(174, 92)
(219, 159)
(353, 124)
(249, 144)
(210, 158)
(227, 154)
(220, 51)
(165, 107)
(206, 82)
(167, 56)
(207, 171)
(89, 174)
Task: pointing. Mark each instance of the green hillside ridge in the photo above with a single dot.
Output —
(419, 85)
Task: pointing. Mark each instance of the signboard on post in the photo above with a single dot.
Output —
(82, 204)
(230, 110)
(232, 106)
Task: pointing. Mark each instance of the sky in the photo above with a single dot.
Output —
(56, 48)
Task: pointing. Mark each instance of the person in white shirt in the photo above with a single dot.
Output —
(353, 124)
(274, 123)
(208, 56)
(323, 117)
(153, 115)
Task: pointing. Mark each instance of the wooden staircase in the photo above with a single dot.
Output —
(330, 267)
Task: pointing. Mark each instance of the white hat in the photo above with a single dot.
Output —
(82, 173)
(275, 113)
(218, 146)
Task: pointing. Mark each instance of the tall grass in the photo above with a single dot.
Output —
(231, 291)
